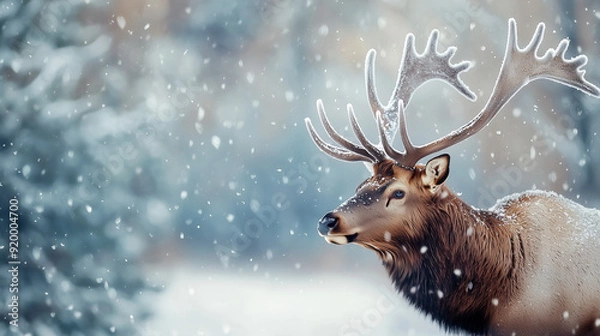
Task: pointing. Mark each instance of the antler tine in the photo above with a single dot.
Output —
(351, 152)
(337, 137)
(330, 150)
(403, 130)
(360, 135)
(519, 67)
(390, 118)
(387, 147)
(370, 82)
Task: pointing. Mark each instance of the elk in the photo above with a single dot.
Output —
(530, 265)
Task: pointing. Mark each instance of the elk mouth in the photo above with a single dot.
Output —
(341, 239)
(351, 237)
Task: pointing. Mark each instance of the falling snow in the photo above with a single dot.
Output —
(121, 22)
(215, 141)
(163, 171)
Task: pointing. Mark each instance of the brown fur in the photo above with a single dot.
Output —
(480, 258)
(483, 259)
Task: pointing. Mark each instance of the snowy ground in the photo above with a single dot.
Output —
(200, 302)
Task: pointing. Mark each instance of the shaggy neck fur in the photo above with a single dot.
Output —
(464, 260)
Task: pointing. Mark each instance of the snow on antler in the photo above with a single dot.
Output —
(519, 67)
(415, 70)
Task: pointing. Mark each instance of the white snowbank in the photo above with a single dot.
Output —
(219, 303)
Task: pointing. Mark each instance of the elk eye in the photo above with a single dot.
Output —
(398, 194)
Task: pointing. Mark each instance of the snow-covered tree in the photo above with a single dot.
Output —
(81, 154)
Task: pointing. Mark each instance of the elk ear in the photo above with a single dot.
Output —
(436, 172)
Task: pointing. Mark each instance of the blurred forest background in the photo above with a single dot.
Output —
(166, 181)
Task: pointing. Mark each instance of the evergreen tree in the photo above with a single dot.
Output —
(74, 148)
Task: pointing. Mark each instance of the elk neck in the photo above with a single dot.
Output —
(464, 263)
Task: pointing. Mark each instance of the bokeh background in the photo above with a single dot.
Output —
(166, 182)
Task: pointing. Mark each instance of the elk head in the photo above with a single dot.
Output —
(396, 202)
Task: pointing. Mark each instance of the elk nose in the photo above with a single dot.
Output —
(328, 222)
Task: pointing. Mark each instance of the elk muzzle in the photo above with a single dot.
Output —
(327, 226)
(327, 223)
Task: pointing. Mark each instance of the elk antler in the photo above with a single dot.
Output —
(430, 64)
(414, 71)
(519, 67)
